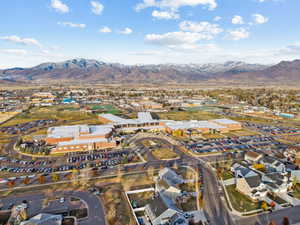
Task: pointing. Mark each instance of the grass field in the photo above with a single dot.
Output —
(104, 108)
(164, 153)
(243, 132)
(239, 201)
(61, 113)
(180, 115)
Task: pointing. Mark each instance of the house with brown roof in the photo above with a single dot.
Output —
(253, 157)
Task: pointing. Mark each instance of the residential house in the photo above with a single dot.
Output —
(241, 171)
(273, 165)
(276, 182)
(253, 157)
(158, 213)
(251, 187)
(168, 182)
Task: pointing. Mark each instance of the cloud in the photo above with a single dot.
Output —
(167, 15)
(146, 53)
(238, 34)
(18, 52)
(259, 19)
(126, 31)
(24, 41)
(293, 49)
(73, 25)
(237, 20)
(105, 29)
(206, 29)
(179, 39)
(59, 6)
(175, 4)
(97, 7)
(217, 18)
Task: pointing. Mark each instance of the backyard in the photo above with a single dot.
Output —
(140, 199)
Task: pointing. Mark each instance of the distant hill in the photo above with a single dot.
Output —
(92, 71)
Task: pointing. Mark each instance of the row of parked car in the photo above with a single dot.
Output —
(24, 127)
(232, 144)
(26, 162)
(98, 156)
(103, 165)
(270, 129)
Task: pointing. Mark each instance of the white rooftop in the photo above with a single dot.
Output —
(77, 130)
(143, 117)
(225, 121)
(193, 124)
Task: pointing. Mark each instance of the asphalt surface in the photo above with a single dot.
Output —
(96, 214)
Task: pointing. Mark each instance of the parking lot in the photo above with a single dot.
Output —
(24, 127)
(272, 130)
(74, 161)
(232, 144)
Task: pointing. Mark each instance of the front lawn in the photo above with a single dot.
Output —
(226, 175)
(241, 202)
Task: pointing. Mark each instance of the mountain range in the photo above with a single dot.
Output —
(93, 71)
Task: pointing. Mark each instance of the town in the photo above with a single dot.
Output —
(149, 155)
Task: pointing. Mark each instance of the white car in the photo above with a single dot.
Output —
(62, 200)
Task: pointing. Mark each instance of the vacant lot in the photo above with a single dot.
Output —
(117, 209)
(164, 153)
(239, 201)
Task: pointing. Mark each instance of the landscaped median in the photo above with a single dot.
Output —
(164, 153)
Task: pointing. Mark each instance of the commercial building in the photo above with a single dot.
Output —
(80, 138)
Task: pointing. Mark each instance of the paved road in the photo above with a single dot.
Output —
(96, 214)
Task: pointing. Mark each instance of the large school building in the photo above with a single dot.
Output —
(87, 138)
(80, 138)
(145, 121)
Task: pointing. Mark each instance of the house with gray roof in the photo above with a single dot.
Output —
(252, 186)
(241, 171)
(276, 182)
(44, 219)
(273, 165)
(159, 213)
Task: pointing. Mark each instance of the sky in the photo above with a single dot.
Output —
(148, 31)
